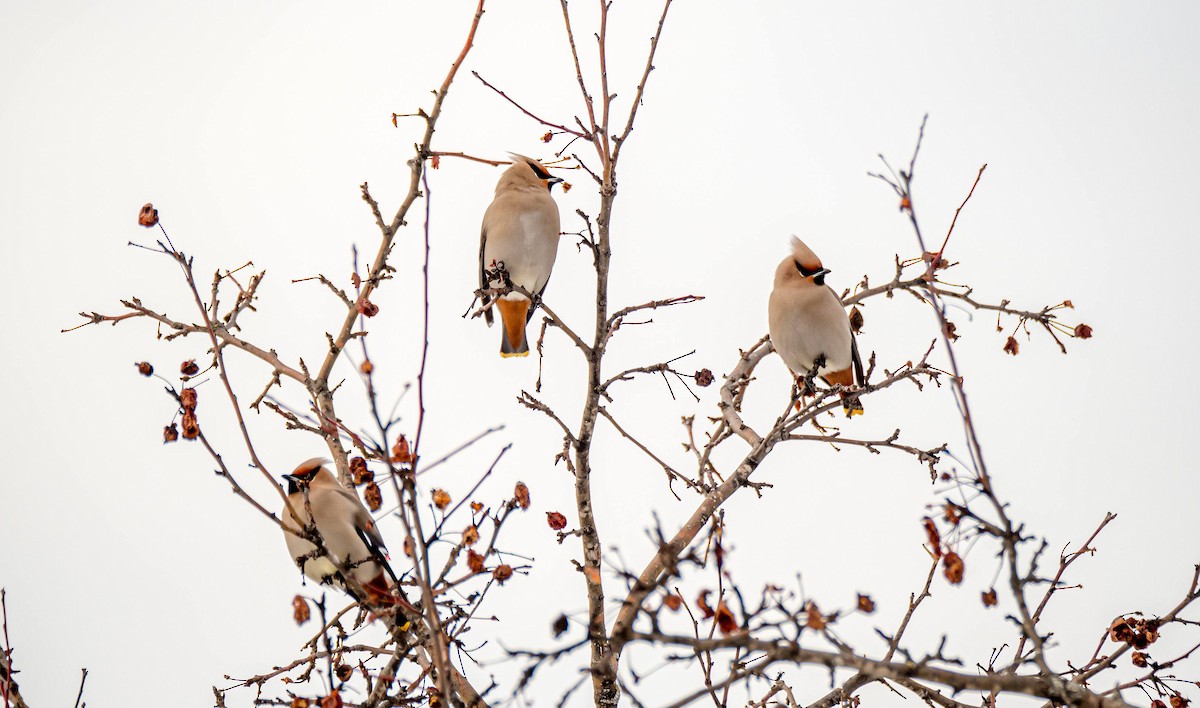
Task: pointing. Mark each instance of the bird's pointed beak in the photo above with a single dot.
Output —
(553, 181)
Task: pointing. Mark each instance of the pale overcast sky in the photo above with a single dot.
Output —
(250, 127)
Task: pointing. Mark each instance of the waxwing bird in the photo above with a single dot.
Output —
(808, 323)
(348, 532)
(520, 233)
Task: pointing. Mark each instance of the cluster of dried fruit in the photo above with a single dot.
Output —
(952, 564)
(191, 427)
(362, 476)
(1137, 632)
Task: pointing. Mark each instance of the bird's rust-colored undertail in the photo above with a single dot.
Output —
(512, 338)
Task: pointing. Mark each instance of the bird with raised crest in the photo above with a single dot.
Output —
(518, 241)
(349, 535)
(809, 325)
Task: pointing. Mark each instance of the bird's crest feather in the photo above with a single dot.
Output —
(804, 255)
(309, 466)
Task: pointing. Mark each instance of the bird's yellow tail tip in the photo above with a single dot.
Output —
(510, 355)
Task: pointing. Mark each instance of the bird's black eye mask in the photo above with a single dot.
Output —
(817, 274)
(544, 175)
(298, 482)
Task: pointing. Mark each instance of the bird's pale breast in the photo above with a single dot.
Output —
(806, 323)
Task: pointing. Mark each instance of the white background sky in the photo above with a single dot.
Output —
(251, 125)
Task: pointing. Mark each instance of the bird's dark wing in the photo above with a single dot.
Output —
(529, 314)
(378, 551)
(483, 281)
(856, 360)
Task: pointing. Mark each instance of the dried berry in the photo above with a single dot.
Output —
(989, 598)
(189, 368)
(1120, 631)
(475, 562)
(951, 331)
(300, 611)
(557, 521)
(726, 622)
(560, 626)
(170, 433)
(935, 539)
(934, 259)
(1139, 659)
(408, 546)
(359, 472)
(1157, 704)
(1151, 631)
(366, 308)
(703, 377)
(400, 452)
(298, 702)
(856, 319)
(547, 137)
(441, 499)
(865, 604)
(952, 568)
(470, 536)
(502, 573)
(1083, 331)
(814, 619)
(148, 216)
(566, 187)
(702, 604)
(1178, 701)
(905, 203)
(476, 507)
(366, 367)
(521, 495)
(187, 399)
(343, 672)
(1011, 346)
(951, 514)
(191, 428)
(144, 368)
(673, 602)
(372, 496)
(333, 700)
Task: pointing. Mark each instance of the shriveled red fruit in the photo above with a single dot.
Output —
(300, 611)
(952, 568)
(521, 495)
(148, 216)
